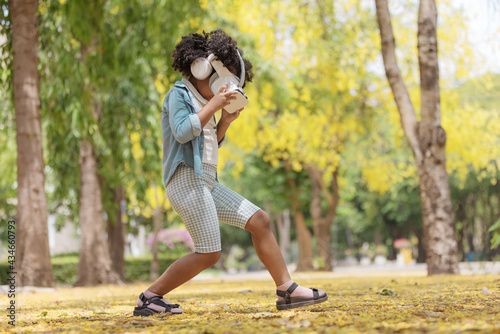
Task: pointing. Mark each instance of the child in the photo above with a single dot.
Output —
(191, 138)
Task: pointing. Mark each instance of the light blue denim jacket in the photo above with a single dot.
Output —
(182, 132)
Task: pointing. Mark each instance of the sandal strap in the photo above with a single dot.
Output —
(288, 293)
(158, 301)
(143, 298)
(292, 288)
(315, 293)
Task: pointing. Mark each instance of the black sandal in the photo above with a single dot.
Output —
(145, 311)
(293, 302)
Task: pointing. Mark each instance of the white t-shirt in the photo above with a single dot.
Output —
(210, 146)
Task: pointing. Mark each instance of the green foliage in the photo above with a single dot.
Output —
(4, 269)
(482, 92)
(5, 47)
(137, 269)
(386, 292)
(8, 153)
(65, 269)
(268, 190)
(495, 228)
(8, 159)
(264, 185)
(476, 204)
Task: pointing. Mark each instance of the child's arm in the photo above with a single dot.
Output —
(224, 122)
(219, 101)
(185, 126)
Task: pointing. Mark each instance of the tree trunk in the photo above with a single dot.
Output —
(116, 234)
(304, 238)
(439, 230)
(421, 246)
(283, 222)
(32, 254)
(322, 223)
(305, 260)
(460, 217)
(154, 269)
(470, 236)
(319, 224)
(272, 216)
(460, 242)
(427, 139)
(95, 263)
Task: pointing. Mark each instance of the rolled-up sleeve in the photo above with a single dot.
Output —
(195, 124)
(185, 125)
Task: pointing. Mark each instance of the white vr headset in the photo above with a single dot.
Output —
(202, 68)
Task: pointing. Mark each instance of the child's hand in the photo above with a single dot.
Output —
(222, 99)
(228, 118)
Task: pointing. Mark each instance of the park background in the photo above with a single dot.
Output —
(320, 146)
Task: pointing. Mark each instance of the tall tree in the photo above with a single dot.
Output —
(32, 252)
(113, 53)
(310, 115)
(322, 222)
(426, 137)
(95, 265)
(283, 222)
(304, 238)
(116, 232)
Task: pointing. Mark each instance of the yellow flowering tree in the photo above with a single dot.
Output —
(311, 94)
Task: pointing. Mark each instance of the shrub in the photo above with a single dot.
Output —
(137, 269)
(4, 277)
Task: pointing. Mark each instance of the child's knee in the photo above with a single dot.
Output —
(210, 259)
(259, 222)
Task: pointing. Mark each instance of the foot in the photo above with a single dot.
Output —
(300, 291)
(292, 295)
(158, 307)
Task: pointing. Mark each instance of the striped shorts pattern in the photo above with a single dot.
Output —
(202, 203)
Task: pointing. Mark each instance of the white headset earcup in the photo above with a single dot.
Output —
(201, 68)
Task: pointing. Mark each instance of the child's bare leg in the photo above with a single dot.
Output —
(266, 247)
(269, 253)
(178, 273)
(183, 270)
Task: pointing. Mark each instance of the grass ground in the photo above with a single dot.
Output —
(440, 304)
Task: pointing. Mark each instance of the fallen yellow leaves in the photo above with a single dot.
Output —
(444, 304)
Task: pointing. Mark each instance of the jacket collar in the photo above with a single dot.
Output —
(180, 84)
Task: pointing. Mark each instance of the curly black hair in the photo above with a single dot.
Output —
(223, 46)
